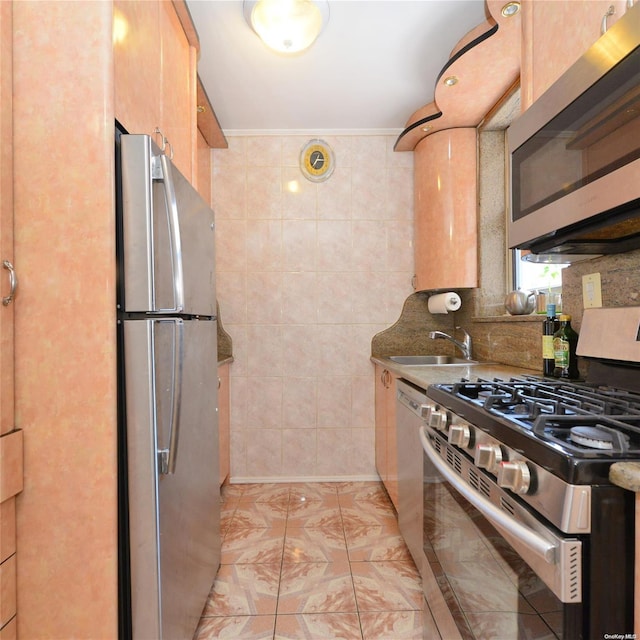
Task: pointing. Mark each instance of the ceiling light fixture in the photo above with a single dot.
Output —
(287, 26)
(450, 81)
(510, 9)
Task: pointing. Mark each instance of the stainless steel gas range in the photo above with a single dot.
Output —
(524, 535)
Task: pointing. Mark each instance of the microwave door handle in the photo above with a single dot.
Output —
(167, 457)
(174, 235)
(533, 541)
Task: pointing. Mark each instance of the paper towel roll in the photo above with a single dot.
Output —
(444, 302)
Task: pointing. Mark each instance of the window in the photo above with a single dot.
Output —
(539, 277)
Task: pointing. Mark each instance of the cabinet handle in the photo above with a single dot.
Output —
(164, 142)
(603, 26)
(13, 283)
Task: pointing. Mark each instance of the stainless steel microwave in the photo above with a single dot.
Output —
(575, 154)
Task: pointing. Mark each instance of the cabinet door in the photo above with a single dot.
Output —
(446, 233)
(137, 72)
(381, 422)
(392, 441)
(224, 422)
(204, 169)
(154, 70)
(178, 89)
(555, 35)
(6, 218)
(385, 427)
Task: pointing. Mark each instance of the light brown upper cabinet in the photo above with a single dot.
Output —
(446, 227)
(155, 77)
(550, 47)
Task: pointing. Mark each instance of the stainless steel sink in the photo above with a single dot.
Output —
(429, 360)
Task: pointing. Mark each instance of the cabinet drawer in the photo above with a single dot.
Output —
(11, 455)
(7, 590)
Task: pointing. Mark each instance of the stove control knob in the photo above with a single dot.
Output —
(488, 456)
(514, 475)
(438, 419)
(459, 435)
(425, 412)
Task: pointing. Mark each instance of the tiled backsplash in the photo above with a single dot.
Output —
(307, 273)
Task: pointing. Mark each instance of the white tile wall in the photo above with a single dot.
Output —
(307, 274)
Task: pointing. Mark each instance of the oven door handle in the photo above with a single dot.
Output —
(536, 543)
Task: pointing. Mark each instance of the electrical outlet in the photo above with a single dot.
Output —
(591, 291)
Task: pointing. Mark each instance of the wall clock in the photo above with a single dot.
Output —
(317, 160)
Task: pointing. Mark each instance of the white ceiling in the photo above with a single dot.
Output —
(375, 63)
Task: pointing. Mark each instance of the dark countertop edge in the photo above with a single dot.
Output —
(626, 475)
(423, 376)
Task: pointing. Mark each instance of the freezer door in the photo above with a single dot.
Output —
(174, 513)
(167, 244)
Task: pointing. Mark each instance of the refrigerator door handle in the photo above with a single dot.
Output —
(167, 457)
(174, 233)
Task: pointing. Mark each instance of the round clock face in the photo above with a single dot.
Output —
(317, 160)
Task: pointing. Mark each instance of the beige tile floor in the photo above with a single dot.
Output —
(321, 561)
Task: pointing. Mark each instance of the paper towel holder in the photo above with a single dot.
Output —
(444, 302)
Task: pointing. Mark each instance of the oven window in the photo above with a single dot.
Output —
(596, 134)
(490, 591)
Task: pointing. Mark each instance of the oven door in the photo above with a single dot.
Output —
(481, 555)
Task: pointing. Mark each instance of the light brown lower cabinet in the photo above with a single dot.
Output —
(385, 428)
(223, 422)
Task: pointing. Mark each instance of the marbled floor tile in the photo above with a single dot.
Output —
(376, 544)
(236, 627)
(303, 512)
(358, 487)
(314, 545)
(231, 492)
(509, 626)
(244, 590)
(387, 586)
(312, 491)
(360, 516)
(315, 516)
(249, 515)
(316, 587)
(316, 626)
(364, 494)
(393, 625)
(268, 492)
(227, 509)
(253, 546)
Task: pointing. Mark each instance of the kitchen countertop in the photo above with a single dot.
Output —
(626, 475)
(424, 375)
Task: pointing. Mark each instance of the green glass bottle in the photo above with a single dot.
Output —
(565, 341)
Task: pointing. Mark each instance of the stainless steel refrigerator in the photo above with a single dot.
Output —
(169, 492)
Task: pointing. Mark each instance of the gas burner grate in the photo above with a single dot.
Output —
(591, 435)
(528, 397)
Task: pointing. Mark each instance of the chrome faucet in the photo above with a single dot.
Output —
(464, 346)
